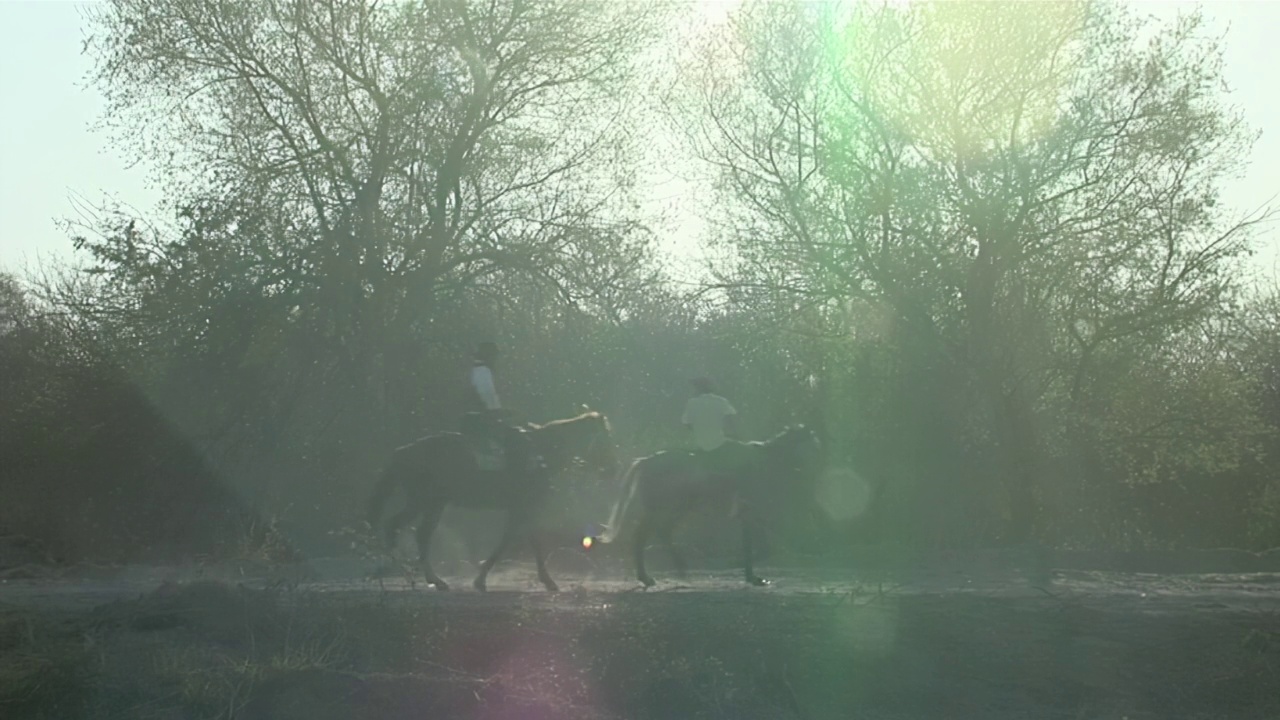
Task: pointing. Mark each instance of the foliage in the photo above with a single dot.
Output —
(90, 468)
(1030, 196)
(978, 246)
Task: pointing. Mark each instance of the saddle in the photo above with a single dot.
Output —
(485, 438)
(492, 454)
(727, 460)
(489, 454)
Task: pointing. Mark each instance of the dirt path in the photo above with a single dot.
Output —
(949, 639)
(87, 587)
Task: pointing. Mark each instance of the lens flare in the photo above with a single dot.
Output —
(587, 542)
(843, 494)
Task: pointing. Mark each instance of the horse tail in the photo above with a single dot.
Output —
(619, 515)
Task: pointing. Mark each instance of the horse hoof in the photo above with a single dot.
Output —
(647, 581)
(551, 586)
(758, 581)
(479, 585)
(440, 585)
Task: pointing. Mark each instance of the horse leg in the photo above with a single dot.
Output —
(430, 519)
(394, 525)
(677, 560)
(543, 576)
(749, 573)
(664, 533)
(643, 531)
(508, 534)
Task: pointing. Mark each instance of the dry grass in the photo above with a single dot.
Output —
(45, 667)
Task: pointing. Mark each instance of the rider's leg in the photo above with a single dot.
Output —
(472, 425)
(725, 464)
(517, 448)
(494, 431)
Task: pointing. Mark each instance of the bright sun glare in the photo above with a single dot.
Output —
(716, 11)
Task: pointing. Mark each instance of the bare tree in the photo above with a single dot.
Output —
(384, 150)
(1025, 185)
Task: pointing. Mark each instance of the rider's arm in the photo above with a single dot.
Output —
(730, 421)
(482, 381)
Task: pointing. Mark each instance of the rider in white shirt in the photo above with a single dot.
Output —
(482, 383)
(709, 418)
(485, 422)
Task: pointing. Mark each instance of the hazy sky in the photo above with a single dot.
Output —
(48, 154)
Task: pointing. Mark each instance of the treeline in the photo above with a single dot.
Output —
(978, 246)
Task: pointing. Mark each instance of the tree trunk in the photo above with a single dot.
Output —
(991, 357)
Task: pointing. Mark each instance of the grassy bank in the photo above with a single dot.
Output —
(214, 650)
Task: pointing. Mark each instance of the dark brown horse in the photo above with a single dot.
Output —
(669, 485)
(441, 470)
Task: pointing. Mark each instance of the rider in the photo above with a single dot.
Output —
(710, 418)
(486, 357)
(485, 423)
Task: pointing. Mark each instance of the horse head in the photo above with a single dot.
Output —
(586, 437)
(600, 452)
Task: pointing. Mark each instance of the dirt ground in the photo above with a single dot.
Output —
(958, 636)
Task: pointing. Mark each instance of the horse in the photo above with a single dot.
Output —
(670, 484)
(441, 470)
